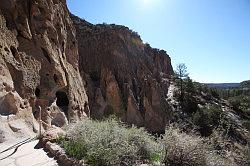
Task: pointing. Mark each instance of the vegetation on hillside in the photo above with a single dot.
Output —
(110, 142)
(202, 133)
(239, 100)
(204, 110)
(198, 100)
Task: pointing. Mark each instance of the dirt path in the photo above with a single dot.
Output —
(25, 155)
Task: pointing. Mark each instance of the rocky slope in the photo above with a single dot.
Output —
(123, 75)
(38, 66)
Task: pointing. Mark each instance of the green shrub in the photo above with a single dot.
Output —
(207, 119)
(110, 143)
(189, 104)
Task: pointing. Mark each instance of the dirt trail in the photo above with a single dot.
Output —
(25, 155)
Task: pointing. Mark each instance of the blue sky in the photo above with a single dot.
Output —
(212, 37)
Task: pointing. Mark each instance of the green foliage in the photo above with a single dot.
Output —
(241, 103)
(239, 98)
(207, 119)
(189, 104)
(189, 86)
(242, 90)
(187, 99)
(110, 143)
(214, 93)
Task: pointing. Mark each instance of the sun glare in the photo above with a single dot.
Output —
(146, 4)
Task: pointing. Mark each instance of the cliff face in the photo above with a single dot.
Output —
(39, 64)
(124, 76)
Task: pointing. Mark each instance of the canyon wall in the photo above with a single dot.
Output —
(123, 75)
(38, 66)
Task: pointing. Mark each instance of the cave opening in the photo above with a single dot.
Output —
(62, 101)
(37, 92)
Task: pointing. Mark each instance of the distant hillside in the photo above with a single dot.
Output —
(223, 85)
(245, 84)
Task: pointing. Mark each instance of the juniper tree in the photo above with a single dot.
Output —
(181, 73)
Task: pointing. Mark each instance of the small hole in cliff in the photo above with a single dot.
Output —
(21, 106)
(62, 101)
(37, 92)
(45, 53)
(13, 51)
(55, 78)
(47, 74)
(6, 49)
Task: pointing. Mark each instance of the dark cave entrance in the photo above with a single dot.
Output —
(62, 101)
(37, 92)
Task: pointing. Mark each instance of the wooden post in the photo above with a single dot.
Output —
(40, 122)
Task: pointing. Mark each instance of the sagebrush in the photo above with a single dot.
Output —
(110, 142)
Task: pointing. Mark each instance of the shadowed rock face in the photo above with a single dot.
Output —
(124, 76)
(39, 66)
(39, 59)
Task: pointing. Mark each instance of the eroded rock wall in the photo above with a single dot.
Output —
(39, 63)
(124, 76)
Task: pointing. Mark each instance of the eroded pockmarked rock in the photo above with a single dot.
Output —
(39, 63)
(124, 76)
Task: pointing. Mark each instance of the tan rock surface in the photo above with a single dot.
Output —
(39, 65)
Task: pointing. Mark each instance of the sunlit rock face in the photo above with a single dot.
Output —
(39, 63)
(124, 76)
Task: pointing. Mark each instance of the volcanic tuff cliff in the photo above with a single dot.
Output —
(38, 66)
(123, 75)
